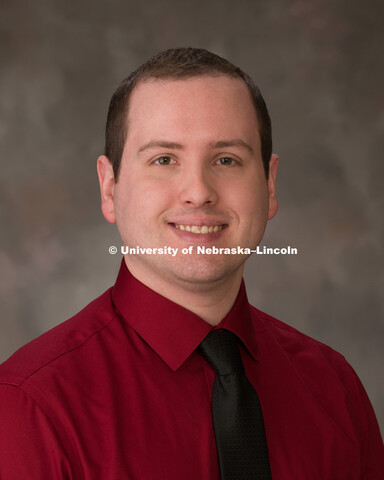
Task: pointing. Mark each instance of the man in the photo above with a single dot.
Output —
(171, 374)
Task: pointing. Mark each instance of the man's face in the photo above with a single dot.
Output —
(191, 174)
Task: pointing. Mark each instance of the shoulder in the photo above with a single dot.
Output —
(297, 345)
(331, 381)
(58, 342)
(322, 369)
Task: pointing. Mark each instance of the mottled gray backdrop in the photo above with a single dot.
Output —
(319, 66)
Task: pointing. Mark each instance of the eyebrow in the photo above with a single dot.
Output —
(160, 143)
(177, 146)
(234, 143)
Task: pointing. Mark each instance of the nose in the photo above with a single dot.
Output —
(197, 189)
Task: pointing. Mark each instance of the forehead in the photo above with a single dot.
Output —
(217, 103)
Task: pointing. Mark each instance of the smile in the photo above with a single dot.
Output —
(199, 229)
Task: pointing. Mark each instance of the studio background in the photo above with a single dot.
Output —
(319, 67)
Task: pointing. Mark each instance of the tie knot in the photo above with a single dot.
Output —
(220, 348)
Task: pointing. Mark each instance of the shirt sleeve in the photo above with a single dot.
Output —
(373, 444)
(367, 428)
(29, 445)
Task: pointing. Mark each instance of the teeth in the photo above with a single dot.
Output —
(200, 229)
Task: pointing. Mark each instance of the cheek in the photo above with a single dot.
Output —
(141, 199)
(251, 201)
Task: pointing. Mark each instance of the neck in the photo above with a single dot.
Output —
(211, 302)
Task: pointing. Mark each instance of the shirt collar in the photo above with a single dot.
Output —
(171, 330)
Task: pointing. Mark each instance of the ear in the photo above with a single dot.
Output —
(273, 204)
(107, 188)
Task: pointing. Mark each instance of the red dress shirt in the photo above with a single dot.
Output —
(118, 392)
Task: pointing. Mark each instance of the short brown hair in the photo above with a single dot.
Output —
(178, 63)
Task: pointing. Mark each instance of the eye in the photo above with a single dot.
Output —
(164, 160)
(226, 161)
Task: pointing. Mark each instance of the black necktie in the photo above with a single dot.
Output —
(237, 416)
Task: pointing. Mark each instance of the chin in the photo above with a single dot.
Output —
(206, 272)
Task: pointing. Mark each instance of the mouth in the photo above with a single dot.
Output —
(198, 229)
